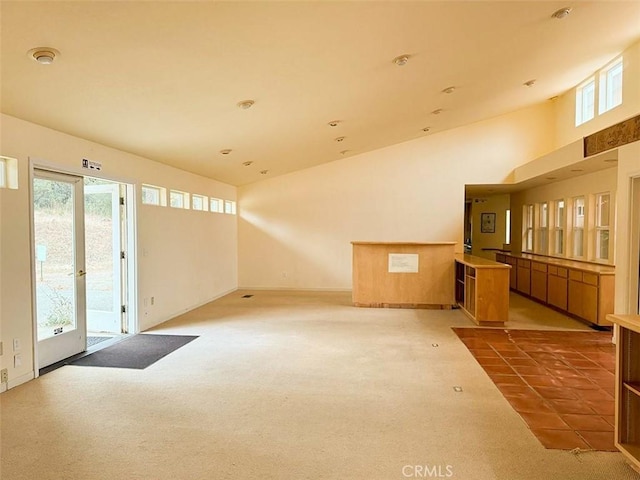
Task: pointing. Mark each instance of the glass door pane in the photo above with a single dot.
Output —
(58, 234)
(55, 262)
(103, 247)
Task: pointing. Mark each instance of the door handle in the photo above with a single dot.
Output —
(81, 273)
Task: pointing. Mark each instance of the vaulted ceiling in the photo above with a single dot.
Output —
(163, 79)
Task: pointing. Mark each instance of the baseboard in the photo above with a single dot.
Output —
(186, 310)
(17, 381)
(293, 289)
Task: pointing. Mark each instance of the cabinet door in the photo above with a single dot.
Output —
(539, 285)
(589, 303)
(575, 298)
(513, 273)
(524, 280)
(557, 291)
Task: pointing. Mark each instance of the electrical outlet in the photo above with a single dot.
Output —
(4, 375)
(16, 345)
(153, 300)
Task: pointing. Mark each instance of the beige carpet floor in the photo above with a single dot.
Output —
(290, 385)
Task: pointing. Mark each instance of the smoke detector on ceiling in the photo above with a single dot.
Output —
(43, 55)
(401, 60)
(562, 13)
(246, 104)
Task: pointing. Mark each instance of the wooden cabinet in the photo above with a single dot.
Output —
(557, 285)
(583, 297)
(580, 289)
(627, 411)
(482, 289)
(539, 281)
(403, 275)
(524, 276)
(513, 273)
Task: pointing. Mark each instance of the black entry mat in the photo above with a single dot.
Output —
(138, 351)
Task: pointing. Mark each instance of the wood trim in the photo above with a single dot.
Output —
(627, 131)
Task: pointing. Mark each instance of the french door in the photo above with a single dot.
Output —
(105, 257)
(60, 283)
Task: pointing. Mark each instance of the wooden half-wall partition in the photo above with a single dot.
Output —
(403, 274)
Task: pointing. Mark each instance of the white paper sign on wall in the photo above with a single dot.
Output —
(403, 262)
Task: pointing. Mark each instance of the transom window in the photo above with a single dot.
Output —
(216, 205)
(152, 195)
(199, 202)
(3, 172)
(610, 86)
(178, 199)
(585, 101)
(230, 207)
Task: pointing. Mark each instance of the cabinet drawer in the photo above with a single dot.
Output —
(563, 272)
(522, 263)
(553, 270)
(539, 267)
(575, 275)
(590, 278)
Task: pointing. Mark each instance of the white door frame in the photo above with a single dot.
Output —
(133, 325)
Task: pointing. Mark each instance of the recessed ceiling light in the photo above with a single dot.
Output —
(264, 172)
(449, 90)
(343, 152)
(339, 139)
(43, 55)
(246, 104)
(562, 13)
(333, 123)
(554, 98)
(437, 111)
(401, 60)
(577, 170)
(246, 164)
(426, 129)
(226, 151)
(529, 83)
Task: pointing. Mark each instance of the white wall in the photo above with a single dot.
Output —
(295, 230)
(498, 205)
(185, 258)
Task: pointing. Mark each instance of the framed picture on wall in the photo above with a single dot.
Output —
(488, 223)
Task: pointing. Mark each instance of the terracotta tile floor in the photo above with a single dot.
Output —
(560, 382)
